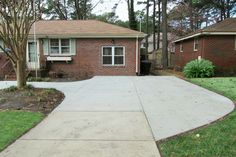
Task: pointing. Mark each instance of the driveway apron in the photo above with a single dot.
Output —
(118, 116)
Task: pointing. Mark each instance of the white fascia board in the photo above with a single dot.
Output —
(188, 37)
(219, 33)
(86, 36)
(205, 33)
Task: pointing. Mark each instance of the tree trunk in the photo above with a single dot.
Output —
(132, 19)
(191, 16)
(65, 9)
(20, 74)
(147, 29)
(128, 4)
(77, 8)
(164, 35)
(39, 10)
(159, 24)
(154, 24)
(227, 9)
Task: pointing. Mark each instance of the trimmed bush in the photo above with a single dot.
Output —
(199, 69)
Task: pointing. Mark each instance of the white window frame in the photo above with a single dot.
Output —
(195, 42)
(172, 48)
(181, 47)
(60, 47)
(113, 55)
(3, 46)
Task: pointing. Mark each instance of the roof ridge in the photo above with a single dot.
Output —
(226, 26)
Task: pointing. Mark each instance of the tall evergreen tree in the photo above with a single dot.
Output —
(132, 17)
(164, 35)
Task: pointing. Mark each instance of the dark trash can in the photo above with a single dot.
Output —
(145, 67)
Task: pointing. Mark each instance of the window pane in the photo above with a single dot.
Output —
(107, 51)
(107, 60)
(54, 42)
(65, 42)
(55, 50)
(65, 50)
(119, 51)
(119, 60)
(31, 51)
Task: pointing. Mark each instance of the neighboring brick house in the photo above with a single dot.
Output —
(82, 48)
(216, 43)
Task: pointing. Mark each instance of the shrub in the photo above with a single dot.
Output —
(10, 89)
(38, 79)
(199, 68)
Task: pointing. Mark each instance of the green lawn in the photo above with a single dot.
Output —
(15, 123)
(215, 140)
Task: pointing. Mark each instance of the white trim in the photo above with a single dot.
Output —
(205, 33)
(85, 36)
(60, 52)
(33, 65)
(219, 33)
(113, 56)
(49, 58)
(187, 37)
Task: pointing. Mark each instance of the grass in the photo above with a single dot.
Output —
(15, 123)
(223, 85)
(215, 140)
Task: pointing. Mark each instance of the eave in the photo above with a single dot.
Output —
(204, 33)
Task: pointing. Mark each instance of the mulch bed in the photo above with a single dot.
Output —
(169, 72)
(30, 99)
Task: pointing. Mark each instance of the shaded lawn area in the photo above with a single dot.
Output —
(15, 123)
(215, 140)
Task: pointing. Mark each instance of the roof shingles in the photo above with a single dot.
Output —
(227, 26)
(82, 28)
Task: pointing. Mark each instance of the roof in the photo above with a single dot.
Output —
(82, 29)
(226, 27)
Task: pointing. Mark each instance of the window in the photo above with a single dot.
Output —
(195, 44)
(1, 44)
(172, 47)
(113, 55)
(59, 46)
(181, 47)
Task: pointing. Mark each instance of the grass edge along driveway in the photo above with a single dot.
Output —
(14, 124)
(215, 140)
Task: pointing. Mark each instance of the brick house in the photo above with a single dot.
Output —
(81, 48)
(216, 43)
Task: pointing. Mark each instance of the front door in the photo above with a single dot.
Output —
(32, 55)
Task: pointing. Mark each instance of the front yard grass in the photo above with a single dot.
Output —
(22, 109)
(215, 140)
(15, 123)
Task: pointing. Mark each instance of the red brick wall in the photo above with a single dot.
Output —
(5, 65)
(221, 51)
(88, 60)
(188, 54)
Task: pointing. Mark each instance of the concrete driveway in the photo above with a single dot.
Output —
(118, 117)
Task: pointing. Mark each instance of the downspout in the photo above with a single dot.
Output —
(137, 57)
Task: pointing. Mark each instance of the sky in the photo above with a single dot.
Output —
(121, 11)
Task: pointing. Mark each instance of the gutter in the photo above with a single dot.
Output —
(205, 33)
(88, 36)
